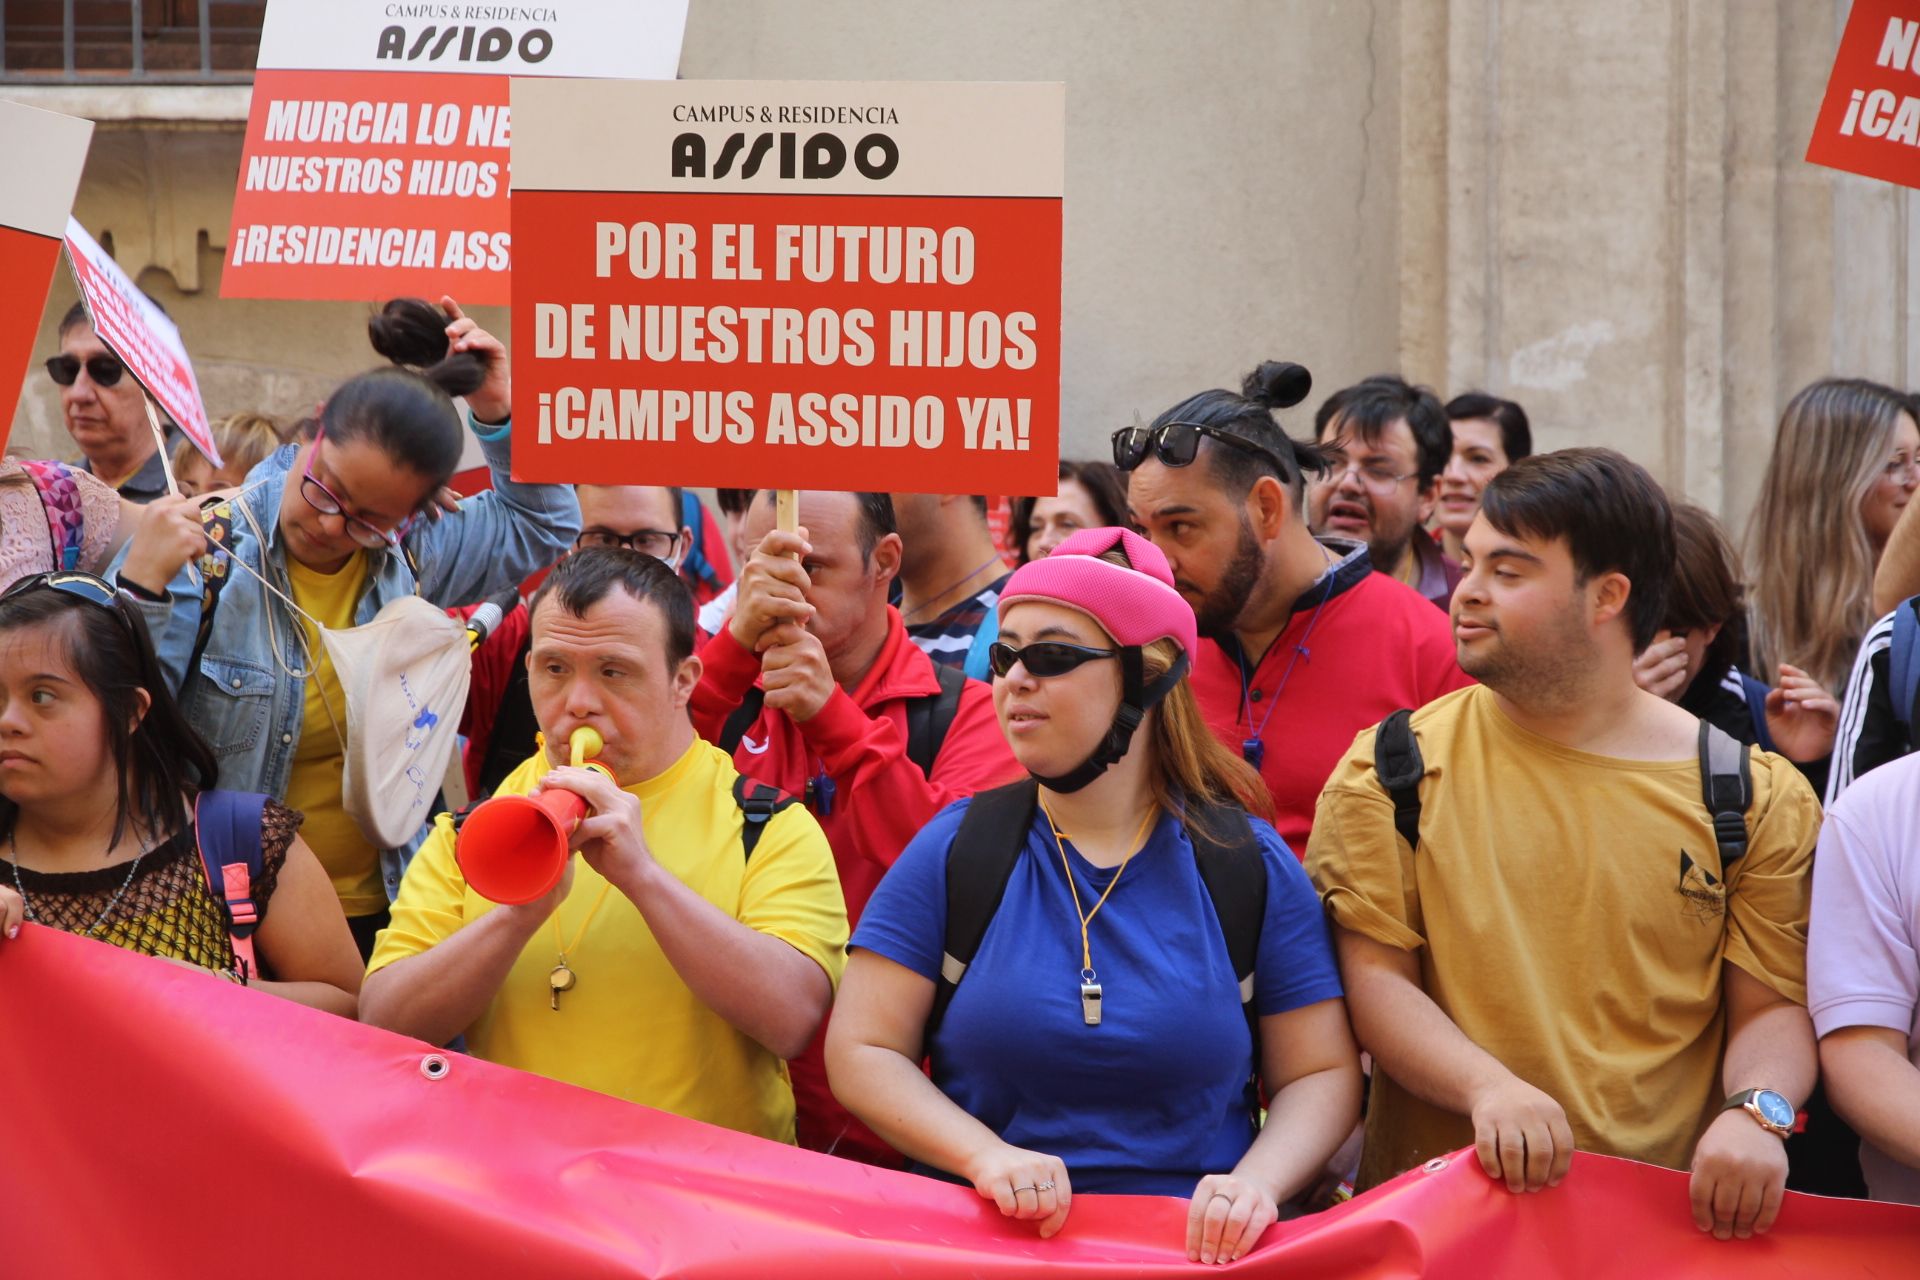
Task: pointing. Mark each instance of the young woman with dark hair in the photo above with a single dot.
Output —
(1092, 495)
(100, 779)
(1103, 1038)
(1694, 659)
(1489, 435)
(324, 536)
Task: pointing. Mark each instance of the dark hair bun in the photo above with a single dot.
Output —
(412, 333)
(1277, 384)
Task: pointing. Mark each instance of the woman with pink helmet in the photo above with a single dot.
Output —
(1110, 962)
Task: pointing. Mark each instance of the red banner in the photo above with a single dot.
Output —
(1870, 120)
(163, 1122)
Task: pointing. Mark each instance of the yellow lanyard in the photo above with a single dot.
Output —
(561, 977)
(1086, 917)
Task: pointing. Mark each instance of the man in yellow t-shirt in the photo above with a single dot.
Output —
(1565, 960)
(691, 971)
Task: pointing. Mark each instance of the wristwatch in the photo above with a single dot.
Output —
(1771, 1110)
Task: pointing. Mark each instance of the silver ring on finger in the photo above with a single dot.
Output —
(1220, 1195)
(1045, 1186)
(1018, 1190)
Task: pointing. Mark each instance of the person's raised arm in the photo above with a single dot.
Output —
(499, 537)
(874, 1048)
(1520, 1133)
(1898, 574)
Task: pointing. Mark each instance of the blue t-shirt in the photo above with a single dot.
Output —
(1158, 1094)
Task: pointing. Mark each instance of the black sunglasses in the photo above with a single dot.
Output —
(1043, 659)
(1176, 444)
(104, 370)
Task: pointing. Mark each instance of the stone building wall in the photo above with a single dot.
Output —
(1600, 210)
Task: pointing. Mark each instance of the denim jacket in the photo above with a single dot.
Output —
(244, 702)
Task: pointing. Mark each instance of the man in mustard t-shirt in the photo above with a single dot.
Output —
(691, 970)
(1565, 957)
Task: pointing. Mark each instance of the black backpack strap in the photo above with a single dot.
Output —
(931, 715)
(1235, 874)
(1397, 763)
(741, 720)
(980, 861)
(1726, 787)
(758, 803)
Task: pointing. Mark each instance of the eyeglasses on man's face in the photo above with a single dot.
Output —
(658, 543)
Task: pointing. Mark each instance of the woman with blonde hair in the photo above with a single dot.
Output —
(1107, 960)
(1845, 464)
(245, 440)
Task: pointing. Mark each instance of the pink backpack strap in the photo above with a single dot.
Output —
(227, 829)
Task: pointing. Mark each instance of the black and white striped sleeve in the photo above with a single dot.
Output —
(1870, 733)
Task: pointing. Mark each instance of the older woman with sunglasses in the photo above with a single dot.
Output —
(102, 788)
(324, 535)
(1155, 955)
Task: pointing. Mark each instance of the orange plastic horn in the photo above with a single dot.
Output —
(513, 849)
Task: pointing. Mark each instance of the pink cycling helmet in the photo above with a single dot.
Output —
(1135, 603)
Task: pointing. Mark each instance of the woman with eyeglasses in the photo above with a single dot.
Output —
(1845, 464)
(1108, 962)
(322, 536)
(101, 784)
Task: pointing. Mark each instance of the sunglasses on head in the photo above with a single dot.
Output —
(104, 370)
(1176, 444)
(1043, 658)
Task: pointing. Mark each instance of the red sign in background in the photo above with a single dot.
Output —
(167, 1123)
(1015, 268)
(443, 230)
(1869, 122)
(26, 264)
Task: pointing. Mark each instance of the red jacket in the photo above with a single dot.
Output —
(1357, 648)
(881, 799)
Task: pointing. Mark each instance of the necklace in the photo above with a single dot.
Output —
(13, 860)
(950, 588)
(1253, 748)
(561, 976)
(1091, 991)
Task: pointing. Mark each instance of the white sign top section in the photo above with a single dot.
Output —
(792, 137)
(633, 38)
(44, 153)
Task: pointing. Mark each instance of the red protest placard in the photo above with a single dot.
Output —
(375, 162)
(33, 218)
(146, 341)
(1869, 122)
(789, 285)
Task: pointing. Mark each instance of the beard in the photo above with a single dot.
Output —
(1545, 670)
(1220, 608)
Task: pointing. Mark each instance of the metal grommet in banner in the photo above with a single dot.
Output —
(435, 1066)
(1434, 1165)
